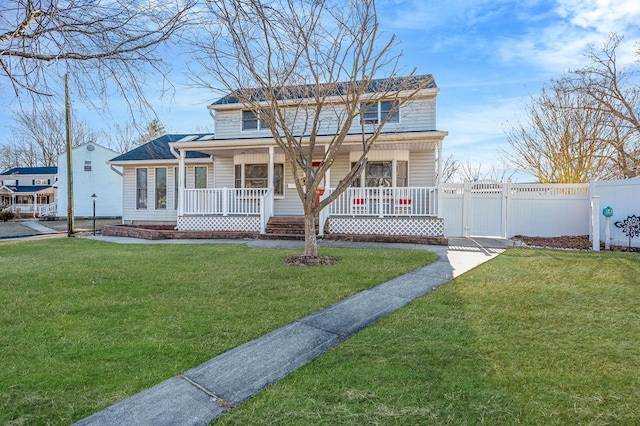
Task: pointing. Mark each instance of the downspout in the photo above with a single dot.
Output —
(116, 171)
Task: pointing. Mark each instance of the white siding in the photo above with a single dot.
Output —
(290, 205)
(132, 215)
(224, 172)
(422, 168)
(417, 115)
(101, 180)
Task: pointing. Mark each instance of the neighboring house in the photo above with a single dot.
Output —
(238, 179)
(91, 176)
(24, 190)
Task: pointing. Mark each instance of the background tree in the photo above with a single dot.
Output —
(614, 90)
(450, 169)
(289, 61)
(103, 46)
(566, 138)
(38, 139)
(127, 137)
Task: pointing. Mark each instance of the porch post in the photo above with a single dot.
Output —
(35, 203)
(181, 183)
(271, 168)
(439, 206)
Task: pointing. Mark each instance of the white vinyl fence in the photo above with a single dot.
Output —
(493, 209)
(623, 196)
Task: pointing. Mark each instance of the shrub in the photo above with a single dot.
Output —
(7, 215)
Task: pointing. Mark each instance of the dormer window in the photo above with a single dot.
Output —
(377, 112)
(250, 121)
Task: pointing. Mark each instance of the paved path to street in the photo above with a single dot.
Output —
(207, 391)
(37, 226)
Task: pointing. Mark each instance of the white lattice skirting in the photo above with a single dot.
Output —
(420, 227)
(219, 223)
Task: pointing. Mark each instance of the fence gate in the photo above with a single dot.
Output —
(473, 209)
(492, 209)
(484, 212)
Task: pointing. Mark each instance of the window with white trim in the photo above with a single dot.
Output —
(375, 113)
(200, 177)
(380, 173)
(257, 176)
(141, 188)
(87, 165)
(250, 121)
(161, 188)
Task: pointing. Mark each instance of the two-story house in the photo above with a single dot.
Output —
(24, 190)
(238, 179)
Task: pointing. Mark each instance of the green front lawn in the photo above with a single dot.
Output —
(84, 324)
(533, 337)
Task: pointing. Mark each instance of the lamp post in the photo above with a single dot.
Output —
(94, 197)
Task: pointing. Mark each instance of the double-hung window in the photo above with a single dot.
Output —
(375, 113)
(257, 176)
(380, 173)
(141, 188)
(200, 177)
(250, 121)
(161, 188)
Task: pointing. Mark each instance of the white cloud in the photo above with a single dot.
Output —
(559, 45)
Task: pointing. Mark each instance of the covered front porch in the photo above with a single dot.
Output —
(252, 181)
(25, 200)
(358, 211)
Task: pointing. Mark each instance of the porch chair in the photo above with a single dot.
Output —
(403, 205)
(359, 206)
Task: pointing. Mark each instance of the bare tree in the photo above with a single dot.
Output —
(128, 136)
(566, 138)
(450, 169)
(39, 138)
(469, 172)
(613, 90)
(104, 46)
(305, 68)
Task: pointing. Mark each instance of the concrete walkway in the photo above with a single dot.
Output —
(207, 391)
(36, 226)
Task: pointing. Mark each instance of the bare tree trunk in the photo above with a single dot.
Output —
(310, 239)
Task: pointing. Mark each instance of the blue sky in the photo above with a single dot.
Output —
(488, 57)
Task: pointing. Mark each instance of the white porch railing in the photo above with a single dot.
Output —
(227, 201)
(382, 202)
(49, 210)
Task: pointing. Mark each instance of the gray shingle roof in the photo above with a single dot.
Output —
(158, 149)
(31, 171)
(291, 92)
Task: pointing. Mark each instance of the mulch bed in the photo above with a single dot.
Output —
(579, 242)
(303, 260)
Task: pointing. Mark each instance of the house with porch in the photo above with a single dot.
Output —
(23, 190)
(238, 179)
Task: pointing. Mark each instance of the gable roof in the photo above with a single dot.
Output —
(158, 149)
(300, 92)
(31, 171)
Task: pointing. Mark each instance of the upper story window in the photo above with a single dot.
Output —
(377, 112)
(250, 121)
(87, 166)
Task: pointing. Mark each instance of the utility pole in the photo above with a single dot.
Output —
(67, 114)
